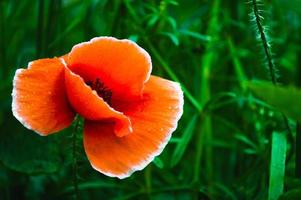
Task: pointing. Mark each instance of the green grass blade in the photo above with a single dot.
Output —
(277, 165)
(279, 97)
(173, 76)
(242, 77)
(207, 61)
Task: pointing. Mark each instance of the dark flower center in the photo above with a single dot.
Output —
(104, 92)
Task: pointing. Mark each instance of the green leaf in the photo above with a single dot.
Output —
(286, 99)
(153, 20)
(158, 162)
(172, 22)
(195, 35)
(277, 165)
(172, 37)
(183, 143)
(245, 140)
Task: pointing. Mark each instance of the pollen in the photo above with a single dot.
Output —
(104, 92)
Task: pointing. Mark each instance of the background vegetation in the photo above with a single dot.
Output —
(232, 141)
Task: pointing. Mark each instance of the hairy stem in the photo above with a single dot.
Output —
(264, 42)
(74, 161)
(272, 71)
(267, 50)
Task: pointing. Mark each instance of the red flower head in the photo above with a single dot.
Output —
(129, 114)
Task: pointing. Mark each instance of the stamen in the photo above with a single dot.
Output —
(101, 90)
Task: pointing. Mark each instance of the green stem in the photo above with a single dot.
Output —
(242, 77)
(74, 161)
(205, 137)
(272, 71)
(40, 28)
(265, 44)
(267, 50)
(3, 48)
(173, 76)
(148, 181)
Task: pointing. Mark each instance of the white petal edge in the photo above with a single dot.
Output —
(14, 94)
(15, 106)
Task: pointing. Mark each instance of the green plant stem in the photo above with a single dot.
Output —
(40, 28)
(74, 161)
(267, 51)
(148, 181)
(3, 72)
(242, 77)
(265, 44)
(205, 134)
(268, 56)
(272, 72)
(173, 76)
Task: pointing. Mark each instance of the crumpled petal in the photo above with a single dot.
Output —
(153, 118)
(89, 105)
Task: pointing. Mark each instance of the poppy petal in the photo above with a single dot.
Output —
(88, 104)
(122, 65)
(153, 121)
(39, 100)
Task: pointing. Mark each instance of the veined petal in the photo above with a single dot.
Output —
(154, 118)
(39, 98)
(88, 104)
(122, 65)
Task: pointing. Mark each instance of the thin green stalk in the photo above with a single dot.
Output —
(59, 26)
(265, 43)
(3, 41)
(116, 16)
(148, 181)
(40, 28)
(205, 135)
(74, 161)
(268, 54)
(242, 77)
(52, 25)
(173, 76)
(272, 71)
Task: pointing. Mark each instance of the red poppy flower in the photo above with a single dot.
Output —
(129, 114)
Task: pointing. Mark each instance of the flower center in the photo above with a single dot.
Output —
(104, 92)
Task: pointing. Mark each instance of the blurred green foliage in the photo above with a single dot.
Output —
(222, 147)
